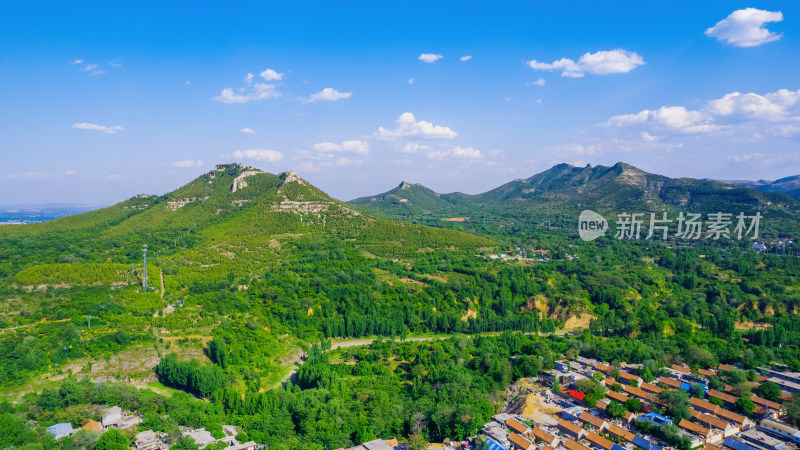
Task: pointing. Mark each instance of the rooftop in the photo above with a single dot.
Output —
(572, 445)
(519, 441)
(591, 419)
(620, 432)
(569, 426)
(708, 419)
(543, 436)
(517, 426)
(693, 427)
(596, 439)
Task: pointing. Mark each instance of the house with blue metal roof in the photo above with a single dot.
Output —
(60, 430)
(655, 419)
(491, 444)
(644, 444)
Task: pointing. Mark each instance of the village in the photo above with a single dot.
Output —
(560, 419)
(714, 422)
(551, 414)
(115, 417)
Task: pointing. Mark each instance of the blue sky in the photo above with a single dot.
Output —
(102, 102)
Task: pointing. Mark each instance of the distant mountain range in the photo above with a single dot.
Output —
(789, 185)
(564, 190)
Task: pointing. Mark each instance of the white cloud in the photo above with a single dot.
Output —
(415, 147)
(327, 147)
(77, 61)
(271, 75)
(356, 146)
(308, 167)
(745, 28)
(774, 113)
(408, 126)
(248, 131)
(466, 152)
(92, 126)
(774, 106)
(351, 146)
(29, 176)
(90, 67)
(259, 155)
(748, 157)
(430, 57)
(466, 58)
(248, 78)
(187, 82)
(411, 80)
(456, 152)
(258, 92)
(539, 82)
(40, 175)
(676, 118)
(599, 63)
(328, 95)
(114, 64)
(347, 162)
(188, 163)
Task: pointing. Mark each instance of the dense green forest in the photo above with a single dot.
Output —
(244, 283)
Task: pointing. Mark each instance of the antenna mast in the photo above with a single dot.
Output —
(144, 276)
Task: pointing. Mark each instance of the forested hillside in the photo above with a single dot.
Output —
(249, 272)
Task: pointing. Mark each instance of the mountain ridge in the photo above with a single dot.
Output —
(564, 190)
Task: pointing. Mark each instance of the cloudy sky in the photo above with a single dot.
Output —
(100, 103)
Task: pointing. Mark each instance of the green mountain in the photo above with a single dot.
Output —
(408, 200)
(234, 206)
(248, 269)
(787, 185)
(562, 191)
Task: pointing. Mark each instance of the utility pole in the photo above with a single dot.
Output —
(144, 276)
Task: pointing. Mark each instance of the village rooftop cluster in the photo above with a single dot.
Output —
(711, 426)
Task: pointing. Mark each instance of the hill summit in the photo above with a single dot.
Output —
(562, 191)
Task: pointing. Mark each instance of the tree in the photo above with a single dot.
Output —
(113, 439)
(556, 386)
(745, 405)
(615, 410)
(793, 409)
(365, 434)
(13, 431)
(646, 375)
(716, 401)
(699, 356)
(677, 404)
(769, 390)
(633, 404)
(186, 443)
(218, 352)
(216, 430)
